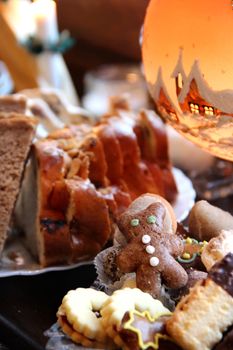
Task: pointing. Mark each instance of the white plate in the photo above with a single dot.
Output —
(16, 259)
(186, 195)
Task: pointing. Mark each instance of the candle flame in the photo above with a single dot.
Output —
(41, 7)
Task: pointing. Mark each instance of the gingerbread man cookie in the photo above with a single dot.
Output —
(151, 252)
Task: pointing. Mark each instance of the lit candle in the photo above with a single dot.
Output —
(19, 17)
(45, 14)
(52, 68)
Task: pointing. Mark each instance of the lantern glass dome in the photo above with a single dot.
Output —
(188, 60)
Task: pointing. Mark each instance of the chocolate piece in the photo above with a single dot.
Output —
(168, 345)
(227, 342)
(222, 273)
(182, 231)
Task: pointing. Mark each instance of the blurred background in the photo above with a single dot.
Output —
(106, 32)
(90, 51)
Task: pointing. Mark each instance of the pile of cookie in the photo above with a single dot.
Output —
(166, 287)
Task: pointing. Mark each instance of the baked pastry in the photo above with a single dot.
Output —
(94, 319)
(16, 134)
(13, 104)
(128, 300)
(109, 274)
(207, 221)
(138, 330)
(48, 106)
(201, 317)
(82, 177)
(80, 317)
(36, 108)
(143, 202)
(57, 103)
(217, 248)
(150, 251)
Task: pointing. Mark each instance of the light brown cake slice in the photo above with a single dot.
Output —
(13, 104)
(201, 317)
(16, 134)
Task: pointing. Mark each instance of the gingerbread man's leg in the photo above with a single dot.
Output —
(148, 280)
(173, 273)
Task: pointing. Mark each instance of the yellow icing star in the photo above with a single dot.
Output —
(145, 314)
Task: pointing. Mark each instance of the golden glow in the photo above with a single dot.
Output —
(180, 81)
(208, 110)
(132, 77)
(18, 15)
(194, 108)
(201, 29)
(191, 40)
(42, 7)
(45, 15)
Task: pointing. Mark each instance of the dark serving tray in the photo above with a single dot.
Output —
(28, 304)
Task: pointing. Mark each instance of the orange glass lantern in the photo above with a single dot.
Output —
(188, 61)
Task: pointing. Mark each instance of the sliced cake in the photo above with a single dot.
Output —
(16, 134)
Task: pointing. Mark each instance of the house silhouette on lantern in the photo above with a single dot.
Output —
(193, 93)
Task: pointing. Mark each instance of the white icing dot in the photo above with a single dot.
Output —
(146, 239)
(150, 249)
(154, 261)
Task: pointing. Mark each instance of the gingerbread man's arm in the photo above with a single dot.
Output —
(175, 245)
(127, 259)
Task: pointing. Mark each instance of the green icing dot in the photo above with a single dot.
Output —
(134, 222)
(151, 219)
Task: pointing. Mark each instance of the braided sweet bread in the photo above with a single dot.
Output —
(82, 177)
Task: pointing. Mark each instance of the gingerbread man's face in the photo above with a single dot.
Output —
(150, 221)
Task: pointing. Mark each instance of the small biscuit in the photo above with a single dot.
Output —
(201, 317)
(80, 312)
(207, 221)
(217, 248)
(140, 331)
(78, 337)
(123, 301)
